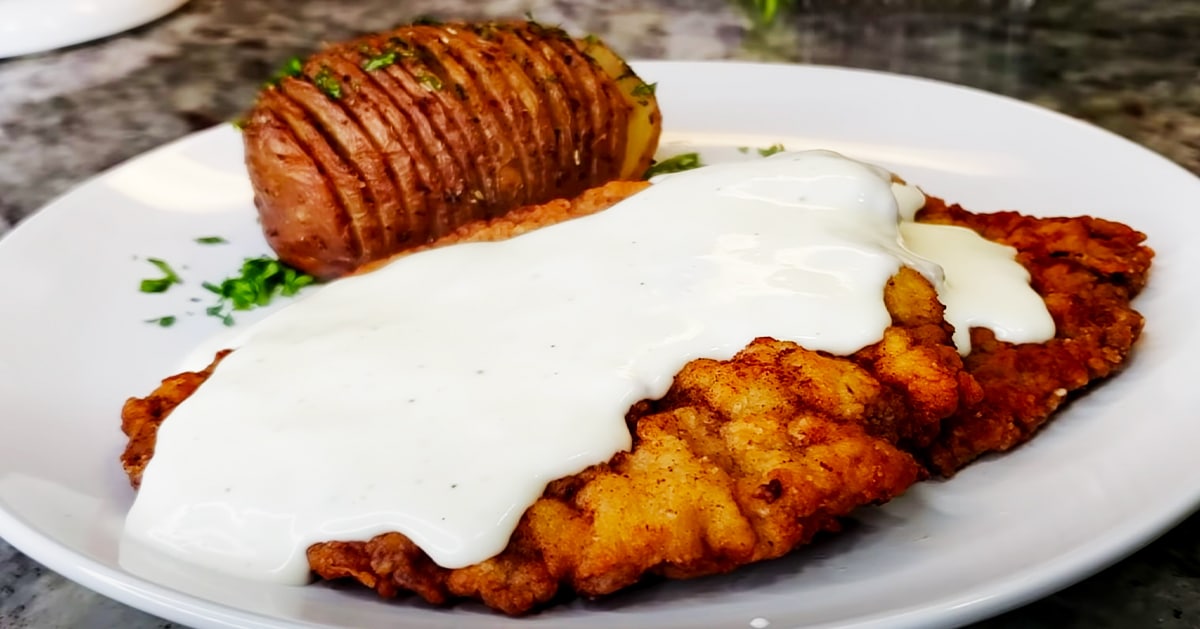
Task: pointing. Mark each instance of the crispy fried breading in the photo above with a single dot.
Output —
(745, 460)
(141, 417)
(1087, 270)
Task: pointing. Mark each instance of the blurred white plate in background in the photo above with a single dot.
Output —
(29, 26)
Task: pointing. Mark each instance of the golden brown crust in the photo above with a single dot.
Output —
(1088, 271)
(744, 460)
(141, 417)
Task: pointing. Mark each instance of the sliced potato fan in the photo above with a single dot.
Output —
(388, 142)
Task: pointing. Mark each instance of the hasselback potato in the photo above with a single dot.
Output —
(389, 141)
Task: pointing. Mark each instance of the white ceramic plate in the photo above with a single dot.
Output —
(29, 26)
(1114, 470)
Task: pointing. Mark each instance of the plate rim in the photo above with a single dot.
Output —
(980, 602)
(74, 26)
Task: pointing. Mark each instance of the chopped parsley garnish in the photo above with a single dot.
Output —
(163, 322)
(644, 89)
(328, 83)
(771, 150)
(258, 282)
(765, 11)
(743, 149)
(161, 284)
(220, 312)
(294, 67)
(429, 82)
(211, 240)
(238, 123)
(380, 61)
(392, 52)
(679, 163)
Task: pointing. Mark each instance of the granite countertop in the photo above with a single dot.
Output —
(1132, 66)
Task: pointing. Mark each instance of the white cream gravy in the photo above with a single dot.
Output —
(437, 396)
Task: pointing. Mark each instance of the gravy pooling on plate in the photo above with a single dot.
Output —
(438, 395)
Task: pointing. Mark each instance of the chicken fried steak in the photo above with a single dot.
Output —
(1088, 271)
(744, 460)
(747, 459)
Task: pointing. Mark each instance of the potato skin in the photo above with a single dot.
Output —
(390, 141)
